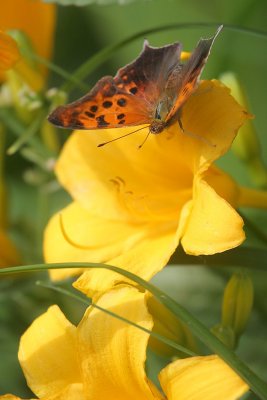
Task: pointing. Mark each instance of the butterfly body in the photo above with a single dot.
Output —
(151, 90)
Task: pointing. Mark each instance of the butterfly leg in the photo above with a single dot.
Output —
(193, 135)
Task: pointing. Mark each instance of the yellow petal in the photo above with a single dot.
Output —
(122, 181)
(211, 225)
(9, 397)
(145, 259)
(8, 253)
(74, 391)
(9, 53)
(48, 354)
(143, 249)
(113, 352)
(199, 378)
(214, 115)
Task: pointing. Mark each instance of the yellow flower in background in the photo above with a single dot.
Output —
(104, 358)
(9, 53)
(133, 206)
(32, 23)
(35, 18)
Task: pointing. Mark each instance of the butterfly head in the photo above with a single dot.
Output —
(157, 126)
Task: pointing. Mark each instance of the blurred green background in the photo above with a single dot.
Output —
(80, 33)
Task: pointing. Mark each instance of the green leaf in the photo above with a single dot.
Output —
(257, 385)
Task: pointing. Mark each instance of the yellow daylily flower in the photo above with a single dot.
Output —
(104, 358)
(35, 18)
(132, 206)
(9, 53)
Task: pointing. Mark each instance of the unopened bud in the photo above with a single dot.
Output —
(237, 303)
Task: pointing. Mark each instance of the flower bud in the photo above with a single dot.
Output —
(246, 145)
(237, 303)
(168, 325)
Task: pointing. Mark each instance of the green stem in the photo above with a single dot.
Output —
(59, 71)
(29, 132)
(257, 385)
(12, 123)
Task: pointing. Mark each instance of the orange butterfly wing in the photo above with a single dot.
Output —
(130, 98)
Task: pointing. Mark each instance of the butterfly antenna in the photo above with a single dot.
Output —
(120, 137)
(144, 141)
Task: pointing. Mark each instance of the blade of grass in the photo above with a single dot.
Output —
(99, 58)
(59, 71)
(257, 385)
(246, 257)
(28, 133)
(15, 126)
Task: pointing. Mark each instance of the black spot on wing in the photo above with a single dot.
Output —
(101, 121)
(133, 90)
(75, 123)
(94, 109)
(120, 116)
(107, 104)
(153, 63)
(122, 102)
(89, 114)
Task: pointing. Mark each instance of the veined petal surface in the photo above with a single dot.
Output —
(199, 378)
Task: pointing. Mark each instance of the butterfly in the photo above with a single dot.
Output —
(150, 90)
